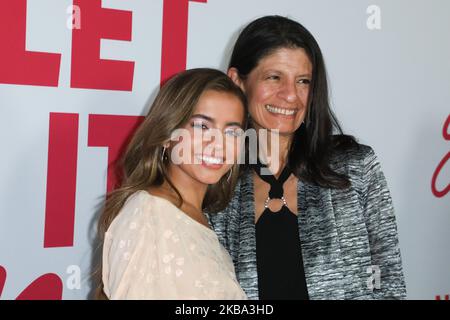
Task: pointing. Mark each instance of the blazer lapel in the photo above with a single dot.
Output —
(247, 273)
(320, 243)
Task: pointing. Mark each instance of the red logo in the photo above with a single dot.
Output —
(434, 189)
(47, 287)
(88, 71)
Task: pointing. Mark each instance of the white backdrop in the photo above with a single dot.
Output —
(389, 70)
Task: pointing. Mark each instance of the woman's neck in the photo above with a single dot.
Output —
(191, 191)
(276, 151)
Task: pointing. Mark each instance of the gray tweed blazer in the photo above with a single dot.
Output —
(346, 234)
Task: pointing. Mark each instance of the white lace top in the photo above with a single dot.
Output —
(153, 250)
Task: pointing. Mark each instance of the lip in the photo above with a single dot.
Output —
(212, 166)
(209, 165)
(289, 116)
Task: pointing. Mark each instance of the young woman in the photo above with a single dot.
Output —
(322, 226)
(157, 241)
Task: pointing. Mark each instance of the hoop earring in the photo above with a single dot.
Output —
(229, 174)
(163, 154)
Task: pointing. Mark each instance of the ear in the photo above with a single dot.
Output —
(233, 73)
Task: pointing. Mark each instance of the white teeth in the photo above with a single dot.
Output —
(211, 160)
(286, 112)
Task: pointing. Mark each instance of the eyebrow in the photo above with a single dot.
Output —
(202, 116)
(277, 71)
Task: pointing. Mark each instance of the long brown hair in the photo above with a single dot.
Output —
(143, 163)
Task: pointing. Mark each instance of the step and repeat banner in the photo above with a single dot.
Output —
(76, 76)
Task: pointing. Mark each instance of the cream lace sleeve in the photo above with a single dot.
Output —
(130, 255)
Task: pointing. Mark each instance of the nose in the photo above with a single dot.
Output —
(288, 91)
(214, 143)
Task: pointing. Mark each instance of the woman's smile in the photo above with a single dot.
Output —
(278, 111)
(210, 162)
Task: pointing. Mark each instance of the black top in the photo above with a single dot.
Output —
(278, 248)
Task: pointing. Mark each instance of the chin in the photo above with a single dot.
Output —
(284, 130)
(282, 127)
(287, 132)
(212, 179)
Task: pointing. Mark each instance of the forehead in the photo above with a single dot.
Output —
(286, 59)
(219, 105)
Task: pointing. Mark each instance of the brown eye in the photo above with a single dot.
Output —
(234, 132)
(199, 125)
(304, 81)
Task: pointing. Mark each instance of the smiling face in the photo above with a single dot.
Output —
(211, 138)
(277, 90)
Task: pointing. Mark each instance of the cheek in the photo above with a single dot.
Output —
(184, 147)
(261, 93)
(197, 142)
(232, 149)
(196, 145)
(304, 94)
(258, 98)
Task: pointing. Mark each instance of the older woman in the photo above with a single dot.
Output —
(322, 225)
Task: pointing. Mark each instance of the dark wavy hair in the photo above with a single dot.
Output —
(314, 141)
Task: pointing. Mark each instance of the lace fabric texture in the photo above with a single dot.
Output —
(153, 250)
